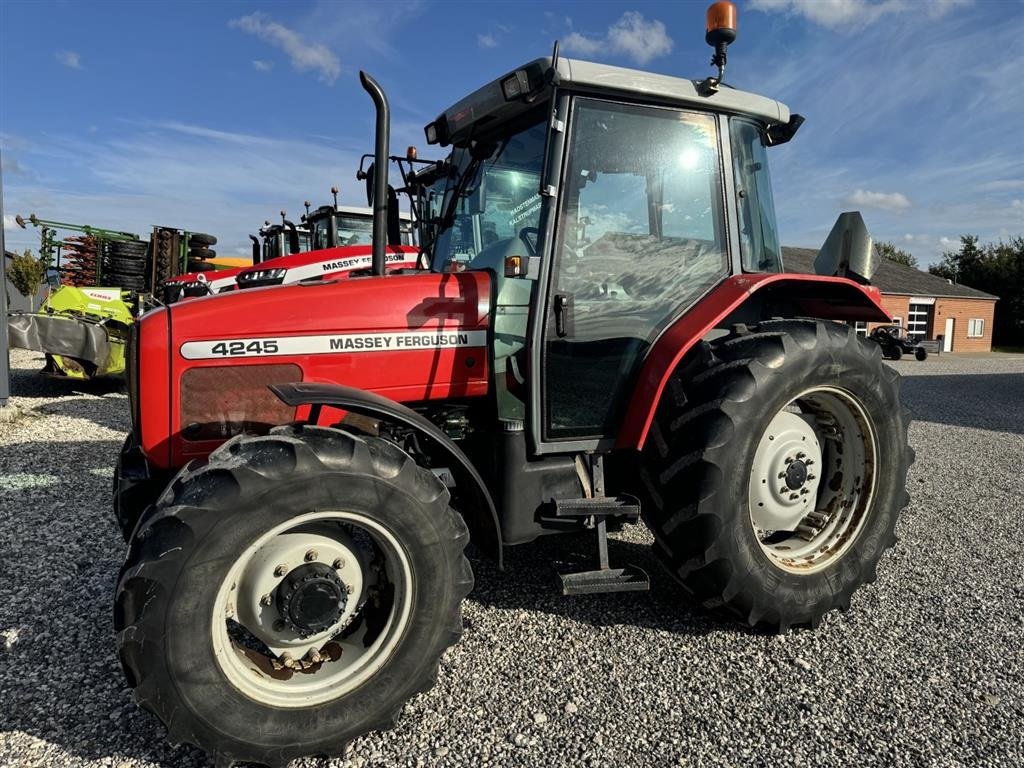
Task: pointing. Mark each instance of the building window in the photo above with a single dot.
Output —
(861, 328)
(897, 320)
(975, 328)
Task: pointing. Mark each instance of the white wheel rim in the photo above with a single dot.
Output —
(373, 563)
(812, 480)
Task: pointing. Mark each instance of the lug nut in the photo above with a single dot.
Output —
(804, 491)
(809, 462)
(281, 570)
(794, 496)
(279, 625)
(782, 475)
(312, 555)
(810, 477)
(287, 660)
(349, 589)
(338, 564)
(789, 460)
(801, 455)
(267, 599)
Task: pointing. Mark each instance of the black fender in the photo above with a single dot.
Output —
(482, 518)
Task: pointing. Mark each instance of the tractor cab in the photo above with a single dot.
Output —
(343, 225)
(281, 239)
(600, 246)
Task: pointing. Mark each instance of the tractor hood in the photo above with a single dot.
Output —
(324, 263)
(410, 338)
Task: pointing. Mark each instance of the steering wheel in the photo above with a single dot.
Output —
(524, 235)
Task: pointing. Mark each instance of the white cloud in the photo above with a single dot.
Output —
(261, 65)
(631, 36)
(9, 223)
(1000, 185)
(138, 173)
(13, 167)
(487, 41)
(69, 59)
(852, 14)
(887, 201)
(303, 54)
(1017, 205)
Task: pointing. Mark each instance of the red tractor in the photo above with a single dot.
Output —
(604, 332)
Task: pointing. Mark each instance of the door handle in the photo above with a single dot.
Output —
(564, 320)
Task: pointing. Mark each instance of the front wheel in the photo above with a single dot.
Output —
(775, 472)
(291, 595)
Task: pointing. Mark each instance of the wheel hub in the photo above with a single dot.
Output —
(311, 598)
(796, 475)
(784, 475)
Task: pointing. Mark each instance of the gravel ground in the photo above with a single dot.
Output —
(927, 669)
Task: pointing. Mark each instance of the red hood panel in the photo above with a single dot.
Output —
(411, 338)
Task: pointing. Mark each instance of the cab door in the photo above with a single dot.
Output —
(639, 236)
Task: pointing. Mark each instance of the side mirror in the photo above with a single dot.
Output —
(394, 220)
(848, 250)
(367, 176)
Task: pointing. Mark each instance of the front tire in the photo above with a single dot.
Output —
(745, 487)
(291, 594)
(921, 354)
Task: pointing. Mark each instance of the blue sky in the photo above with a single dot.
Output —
(214, 116)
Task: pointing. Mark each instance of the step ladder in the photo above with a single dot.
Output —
(594, 513)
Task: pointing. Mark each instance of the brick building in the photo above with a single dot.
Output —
(923, 303)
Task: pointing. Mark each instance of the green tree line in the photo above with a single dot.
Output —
(996, 268)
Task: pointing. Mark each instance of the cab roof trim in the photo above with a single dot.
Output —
(588, 74)
(605, 79)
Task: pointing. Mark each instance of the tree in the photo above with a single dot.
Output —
(892, 253)
(26, 273)
(997, 269)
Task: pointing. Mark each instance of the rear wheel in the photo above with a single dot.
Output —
(921, 353)
(291, 594)
(895, 353)
(775, 472)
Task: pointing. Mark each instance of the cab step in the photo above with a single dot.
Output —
(602, 506)
(594, 513)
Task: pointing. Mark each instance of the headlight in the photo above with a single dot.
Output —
(261, 275)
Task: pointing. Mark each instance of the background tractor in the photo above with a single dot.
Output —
(604, 333)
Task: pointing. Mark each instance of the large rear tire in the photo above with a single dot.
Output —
(291, 594)
(775, 471)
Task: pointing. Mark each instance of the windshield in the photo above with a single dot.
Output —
(354, 229)
(491, 205)
(759, 240)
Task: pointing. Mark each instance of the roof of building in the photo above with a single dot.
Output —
(891, 277)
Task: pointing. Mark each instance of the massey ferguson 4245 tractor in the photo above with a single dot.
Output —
(604, 333)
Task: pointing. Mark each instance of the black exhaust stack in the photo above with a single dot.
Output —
(293, 237)
(255, 249)
(380, 170)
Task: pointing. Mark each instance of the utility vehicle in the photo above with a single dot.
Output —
(896, 342)
(604, 333)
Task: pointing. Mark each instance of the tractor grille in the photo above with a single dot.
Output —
(131, 373)
(220, 401)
